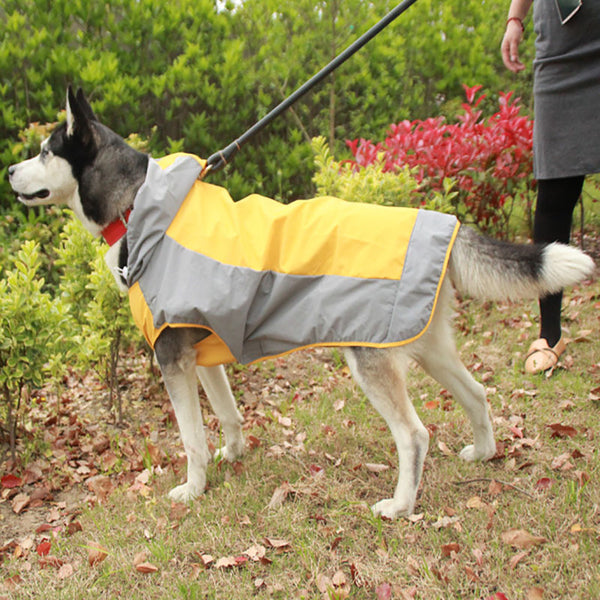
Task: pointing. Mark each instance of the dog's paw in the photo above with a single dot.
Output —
(471, 454)
(391, 509)
(186, 492)
(230, 452)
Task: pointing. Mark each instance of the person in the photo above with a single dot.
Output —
(566, 131)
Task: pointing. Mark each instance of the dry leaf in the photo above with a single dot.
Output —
(383, 591)
(444, 449)
(65, 571)
(376, 468)
(448, 549)
(519, 538)
(561, 431)
(146, 567)
(255, 552)
(535, 593)
(339, 579)
(277, 544)
(279, 495)
(10, 481)
(140, 557)
(19, 502)
(43, 548)
(323, 583)
(226, 562)
(96, 554)
(516, 559)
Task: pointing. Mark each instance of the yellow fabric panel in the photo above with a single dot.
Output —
(275, 235)
(211, 351)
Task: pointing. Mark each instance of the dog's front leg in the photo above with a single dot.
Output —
(179, 373)
(216, 385)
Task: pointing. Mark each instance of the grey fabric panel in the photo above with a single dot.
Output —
(566, 135)
(156, 205)
(261, 314)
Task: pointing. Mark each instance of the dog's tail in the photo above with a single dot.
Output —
(489, 269)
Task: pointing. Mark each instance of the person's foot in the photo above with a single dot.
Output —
(541, 357)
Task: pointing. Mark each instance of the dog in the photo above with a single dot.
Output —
(89, 168)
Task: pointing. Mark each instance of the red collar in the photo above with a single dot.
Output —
(114, 231)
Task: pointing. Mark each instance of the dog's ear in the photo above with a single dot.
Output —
(78, 121)
(85, 106)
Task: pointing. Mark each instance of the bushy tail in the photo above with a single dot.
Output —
(493, 270)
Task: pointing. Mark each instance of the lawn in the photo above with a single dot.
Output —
(88, 515)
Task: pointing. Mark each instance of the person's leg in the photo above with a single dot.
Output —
(552, 223)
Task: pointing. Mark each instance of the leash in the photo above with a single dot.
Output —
(219, 159)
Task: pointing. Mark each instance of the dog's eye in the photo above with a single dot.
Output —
(44, 152)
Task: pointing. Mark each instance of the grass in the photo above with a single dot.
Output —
(321, 540)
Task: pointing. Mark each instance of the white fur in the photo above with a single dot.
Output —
(564, 266)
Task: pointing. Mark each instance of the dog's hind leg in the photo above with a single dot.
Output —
(439, 357)
(177, 359)
(381, 375)
(216, 385)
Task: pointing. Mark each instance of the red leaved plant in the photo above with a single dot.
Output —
(488, 160)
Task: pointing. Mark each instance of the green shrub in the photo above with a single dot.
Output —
(35, 335)
(373, 184)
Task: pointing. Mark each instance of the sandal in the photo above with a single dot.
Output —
(540, 357)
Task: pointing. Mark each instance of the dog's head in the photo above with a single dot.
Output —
(52, 176)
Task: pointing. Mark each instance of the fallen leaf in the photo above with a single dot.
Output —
(253, 442)
(383, 591)
(535, 593)
(562, 462)
(276, 543)
(339, 404)
(65, 571)
(43, 548)
(545, 483)
(376, 468)
(146, 567)
(19, 502)
(339, 579)
(279, 495)
(178, 511)
(444, 449)
(475, 502)
(206, 559)
(11, 481)
(516, 559)
(519, 538)
(448, 549)
(96, 554)
(495, 488)
(255, 552)
(561, 431)
(323, 583)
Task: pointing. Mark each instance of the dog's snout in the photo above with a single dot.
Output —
(11, 170)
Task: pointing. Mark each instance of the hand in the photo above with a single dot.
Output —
(510, 46)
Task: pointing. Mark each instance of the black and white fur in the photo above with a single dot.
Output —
(88, 167)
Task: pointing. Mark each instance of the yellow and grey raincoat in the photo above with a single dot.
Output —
(267, 278)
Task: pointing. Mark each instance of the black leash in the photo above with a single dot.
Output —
(219, 159)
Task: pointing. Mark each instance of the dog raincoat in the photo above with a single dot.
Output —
(267, 278)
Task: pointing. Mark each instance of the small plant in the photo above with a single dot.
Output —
(34, 335)
(109, 327)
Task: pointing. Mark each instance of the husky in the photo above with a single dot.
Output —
(90, 169)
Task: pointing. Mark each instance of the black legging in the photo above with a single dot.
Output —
(556, 200)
